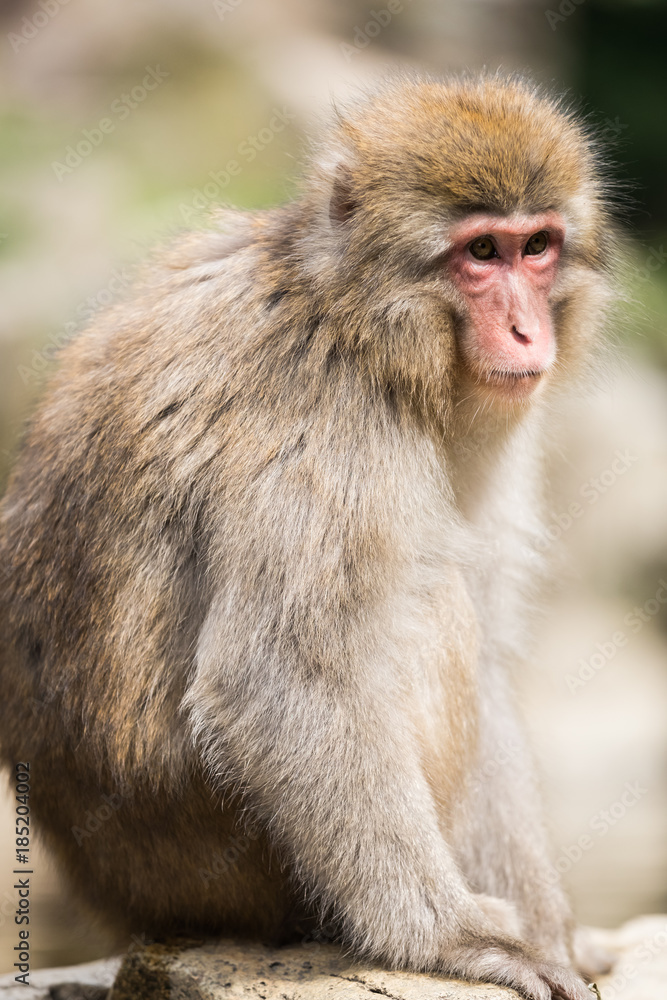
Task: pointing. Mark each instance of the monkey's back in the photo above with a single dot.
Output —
(106, 528)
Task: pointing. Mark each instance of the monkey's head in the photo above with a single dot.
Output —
(461, 236)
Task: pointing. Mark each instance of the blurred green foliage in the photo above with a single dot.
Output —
(621, 73)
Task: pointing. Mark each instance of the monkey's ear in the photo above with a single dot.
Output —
(343, 204)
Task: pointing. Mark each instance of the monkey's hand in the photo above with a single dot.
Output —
(507, 962)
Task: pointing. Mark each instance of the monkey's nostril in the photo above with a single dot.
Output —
(521, 337)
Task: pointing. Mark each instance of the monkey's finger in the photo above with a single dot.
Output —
(503, 967)
(564, 983)
(508, 970)
(527, 983)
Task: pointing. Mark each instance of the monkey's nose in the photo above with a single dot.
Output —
(522, 338)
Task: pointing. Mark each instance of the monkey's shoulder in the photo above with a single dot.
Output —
(188, 367)
(187, 319)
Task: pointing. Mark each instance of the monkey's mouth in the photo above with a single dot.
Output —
(516, 384)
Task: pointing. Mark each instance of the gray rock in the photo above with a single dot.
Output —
(90, 976)
(233, 970)
(640, 967)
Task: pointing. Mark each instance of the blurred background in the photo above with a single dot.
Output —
(119, 121)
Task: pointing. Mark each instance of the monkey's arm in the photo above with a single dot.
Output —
(328, 769)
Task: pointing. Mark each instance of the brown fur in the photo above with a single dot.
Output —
(265, 559)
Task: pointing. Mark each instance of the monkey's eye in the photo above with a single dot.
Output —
(537, 243)
(483, 248)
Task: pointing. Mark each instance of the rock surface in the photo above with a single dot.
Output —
(232, 970)
(94, 977)
(302, 972)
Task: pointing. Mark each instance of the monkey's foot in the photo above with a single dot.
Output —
(592, 956)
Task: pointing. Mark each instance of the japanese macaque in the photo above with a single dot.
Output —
(268, 549)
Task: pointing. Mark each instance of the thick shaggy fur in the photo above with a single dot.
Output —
(267, 554)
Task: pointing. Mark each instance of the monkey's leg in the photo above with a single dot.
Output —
(332, 769)
(501, 840)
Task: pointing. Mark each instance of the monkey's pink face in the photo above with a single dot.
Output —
(504, 268)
